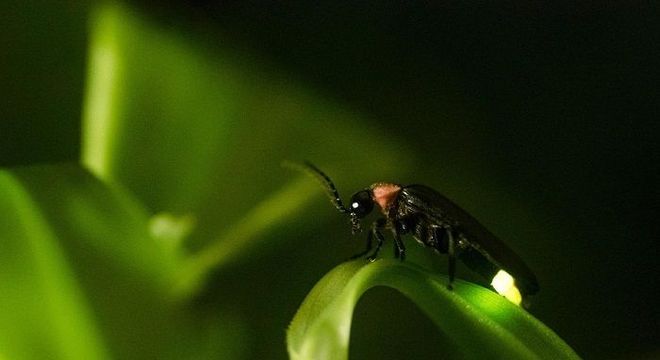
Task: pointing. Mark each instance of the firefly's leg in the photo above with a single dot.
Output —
(399, 249)
(375, 230)
(452, 257)
(397, 229)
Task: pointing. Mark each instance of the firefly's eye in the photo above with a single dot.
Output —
(361, 203)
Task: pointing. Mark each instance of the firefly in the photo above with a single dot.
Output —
(435, 222)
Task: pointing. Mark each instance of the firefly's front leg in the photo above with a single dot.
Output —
(376, 227)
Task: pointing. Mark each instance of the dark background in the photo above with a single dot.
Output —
(554, 105)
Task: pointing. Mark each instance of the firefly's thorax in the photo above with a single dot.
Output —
(384, 195)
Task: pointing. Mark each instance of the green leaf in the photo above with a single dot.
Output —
(190, 127)
(44, 312)
(198, 133)
(82, 278)
(481, 323)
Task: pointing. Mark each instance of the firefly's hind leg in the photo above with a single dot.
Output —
(451, 251)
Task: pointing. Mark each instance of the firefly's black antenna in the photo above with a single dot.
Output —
(319, 175)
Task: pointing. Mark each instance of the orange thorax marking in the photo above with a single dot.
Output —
(384, 194)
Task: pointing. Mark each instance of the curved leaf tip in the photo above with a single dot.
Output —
(479, 321)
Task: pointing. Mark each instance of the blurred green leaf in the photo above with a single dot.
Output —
(481, 323)
(190, 129)
(43, 310)
(83, 279)
(200, 133)
(180, 174)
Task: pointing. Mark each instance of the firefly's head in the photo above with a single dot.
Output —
(360, 206)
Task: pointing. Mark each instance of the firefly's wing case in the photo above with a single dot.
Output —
(421, 199)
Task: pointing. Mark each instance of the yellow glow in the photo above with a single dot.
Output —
(504, 284)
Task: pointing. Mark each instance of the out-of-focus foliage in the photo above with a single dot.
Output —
(202, 135)
(180, 175)
(83, 279)
(43, 310)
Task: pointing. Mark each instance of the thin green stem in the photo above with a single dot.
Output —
(248, 233)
